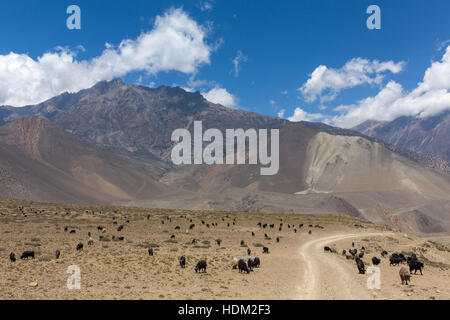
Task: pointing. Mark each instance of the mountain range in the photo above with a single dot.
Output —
(111, 144)
(428, 136)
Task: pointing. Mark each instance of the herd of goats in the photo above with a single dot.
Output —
(395, 259)
(253, 262)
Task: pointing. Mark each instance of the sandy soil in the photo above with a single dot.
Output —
(296, 268)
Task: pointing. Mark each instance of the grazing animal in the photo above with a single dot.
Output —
(57, 254)
(194, 241)
(27, 254)
(404, 275)
(415, 265)
(90, 242)
(73, 231)
(265, 250)
(309, 232)
(182, 262)
(384, 253)
(218, 241)
(242, 266)
(394, 261)
(360, 265)
(250, 264)
(361, 255)
(327, 249)
(249, 252)
(150, 252)
(234, 263)
(191, 226)
(353, 252)
(253, 234)
(353, 244)
(12, 257)
(375, 261)
(256, 262)
(79, 246)
(100, 228)
(278, 239)
(172, 236)
(66, 229)
(177, 228)
(349, 257)
(242, 243)
(120, 228)
(201, 265)
(344, 252)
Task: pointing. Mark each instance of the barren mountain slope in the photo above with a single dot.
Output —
(46, 163)
(429, 135)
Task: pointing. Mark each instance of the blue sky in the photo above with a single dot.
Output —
(278, 45)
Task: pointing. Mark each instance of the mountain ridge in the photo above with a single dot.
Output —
(111, 144)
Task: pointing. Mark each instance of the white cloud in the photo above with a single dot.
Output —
(237, 61)
(206, 5)
(325, 83)
(281, 113)
(284, 92)
(220, 96)
(430, 97)
(301, 115)
(176, 42)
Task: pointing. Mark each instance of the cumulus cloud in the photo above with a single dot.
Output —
(325, 83)
(301, 115)
(221, 96)
(176, 43)
(281, 113)
(430, 97)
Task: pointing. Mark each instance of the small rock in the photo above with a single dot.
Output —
(433, 298)
(409, 294)
(33, 284)
(438, 291)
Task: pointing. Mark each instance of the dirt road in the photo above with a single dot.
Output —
(326, 277)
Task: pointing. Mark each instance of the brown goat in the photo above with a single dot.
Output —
(404, 275)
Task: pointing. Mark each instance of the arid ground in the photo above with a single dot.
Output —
(296, 268)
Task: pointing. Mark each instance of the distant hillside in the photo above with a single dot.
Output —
(429, 136)
(111, 144)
